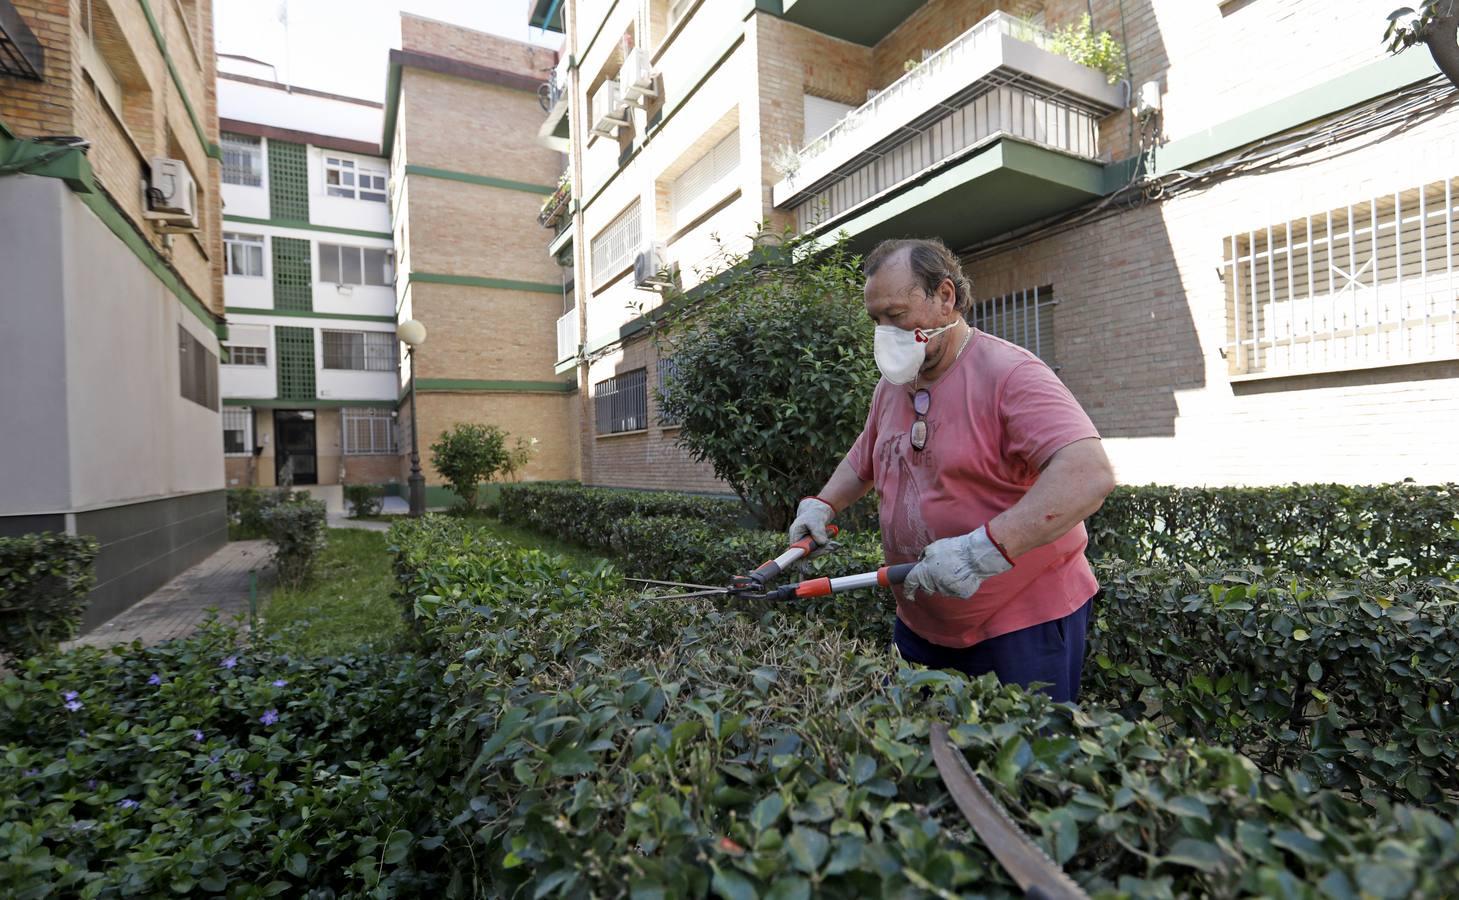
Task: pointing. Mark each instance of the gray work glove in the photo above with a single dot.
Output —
(956, 567)
(811, 518)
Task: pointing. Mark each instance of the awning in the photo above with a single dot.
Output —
(21, 54)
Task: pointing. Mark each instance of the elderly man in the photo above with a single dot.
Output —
(986, 467)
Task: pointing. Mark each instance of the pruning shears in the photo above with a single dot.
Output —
(755, 585)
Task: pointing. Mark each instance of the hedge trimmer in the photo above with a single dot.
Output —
(755, 585)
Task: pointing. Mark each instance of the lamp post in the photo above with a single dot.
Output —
(413, 334)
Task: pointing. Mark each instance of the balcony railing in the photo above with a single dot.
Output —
(997, 78)
(567, 335)
(554, 209)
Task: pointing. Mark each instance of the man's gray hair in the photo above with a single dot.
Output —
(931, 262)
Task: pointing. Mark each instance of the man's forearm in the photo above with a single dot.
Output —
(844, 488)
(1070, 489)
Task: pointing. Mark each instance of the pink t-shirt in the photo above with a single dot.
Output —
(997, 416)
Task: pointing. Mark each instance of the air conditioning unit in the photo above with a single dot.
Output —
(637, 78)
(610, 109)
(171, 193)
(652, 269)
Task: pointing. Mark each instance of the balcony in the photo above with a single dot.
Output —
(552, 96)
(556, 208)
(567, 335)
(997, 83)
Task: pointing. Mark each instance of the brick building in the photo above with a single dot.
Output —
(111, 303)
(1243, 270)
(467, 179)
(311, 379)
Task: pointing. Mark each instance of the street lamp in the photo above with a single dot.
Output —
(413, 334)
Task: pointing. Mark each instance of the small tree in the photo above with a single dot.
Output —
(773, 371)
(467, 455)
(517, 458)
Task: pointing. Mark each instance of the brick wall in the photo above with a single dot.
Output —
(546, 417)
(478, 47)
(486, 333)
(932, 26)
(372, 469)
(468, 229)
(444, 133)
(36, 108)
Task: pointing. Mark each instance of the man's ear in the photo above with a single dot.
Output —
(947, 295)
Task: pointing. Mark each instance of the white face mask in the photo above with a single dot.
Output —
(900, 353)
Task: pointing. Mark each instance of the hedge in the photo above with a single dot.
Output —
(586, 514)
(44, 580)
(1402, 529)
(618, 745)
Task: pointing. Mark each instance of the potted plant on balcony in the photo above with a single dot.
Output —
(1097, 51)
(556, 203)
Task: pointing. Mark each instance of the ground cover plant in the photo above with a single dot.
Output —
(347, 606)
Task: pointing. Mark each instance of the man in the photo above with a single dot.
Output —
(986, 467)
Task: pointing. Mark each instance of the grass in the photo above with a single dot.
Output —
(347, 604)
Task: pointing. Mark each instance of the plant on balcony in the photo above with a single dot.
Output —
(1097, 51)
(556, 202)
(785, 160)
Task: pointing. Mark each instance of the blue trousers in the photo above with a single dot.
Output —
(1051, 653)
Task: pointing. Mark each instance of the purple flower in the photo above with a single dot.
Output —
(247, 786)
(269, 717)
(155, 679)
(32, 773)
(229, 663)
(91, 784)
(70, 695)
(214, 757)
(280, 682)
(198, 736)
(128, 804)
(74, 705)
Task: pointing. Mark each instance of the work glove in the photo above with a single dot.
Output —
(811, 518)
(956, 567)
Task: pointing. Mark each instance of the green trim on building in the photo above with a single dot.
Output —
(72, 167)
(309, 226)
(288, 181)
(277, 403)
(486, 180)
(392, 107)
(251, 311)
(294, 348)
(506, 284)
(209, 147)
(293, 272)
(477, 385)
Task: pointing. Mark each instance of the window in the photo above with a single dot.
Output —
(616, 244)
(343, 178)
(668, 367)
(197, 369)
(821, 116)
(621, 403)
(1024, 317)
(243, 254)
(368, 431)
(237, 431)
(242, 159)
(678, 9)
(247, 355)
(1363, 285)
(367, 351)
(705, 182)
(339, 264)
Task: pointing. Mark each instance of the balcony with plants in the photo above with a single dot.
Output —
(556, 212)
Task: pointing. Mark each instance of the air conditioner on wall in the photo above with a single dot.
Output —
(637, 78)
(171, 195)
(610, 109)
(652, 269)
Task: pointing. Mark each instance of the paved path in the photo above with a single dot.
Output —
(361, 524)
(177, 608)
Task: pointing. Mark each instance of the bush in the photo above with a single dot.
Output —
(246, 507)
(296, 529)
(197, 766)
(44, 580)
(586, 515)
(467, 455)
(364, 499)
(1400, 529)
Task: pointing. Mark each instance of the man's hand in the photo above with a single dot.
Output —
(811, 518)
(956, 567)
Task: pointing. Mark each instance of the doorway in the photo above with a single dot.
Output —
(294, 446)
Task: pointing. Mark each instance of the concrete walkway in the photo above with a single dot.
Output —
(177, 608)
(360, 524)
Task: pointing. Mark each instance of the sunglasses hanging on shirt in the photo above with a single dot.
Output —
(921, 403)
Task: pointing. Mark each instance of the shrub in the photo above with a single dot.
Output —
(517, 458)
(467, 455)
(246, 507)
(587, 514)
(1097, 51)
(44, 580)
(364, 499)
(774, 373)
(296, 529)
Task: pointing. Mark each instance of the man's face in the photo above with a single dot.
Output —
(894, 297)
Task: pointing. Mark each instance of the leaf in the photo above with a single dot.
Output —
(1300, 634)
(731, 885)
(789, 887)
(807, 848)
(767, 812)
(863, 768)
(1202, 855)
(572, 761)
(1314, 671)
(298, 865)
(1190, 807)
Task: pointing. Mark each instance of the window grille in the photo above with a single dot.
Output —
(1362, 285)
(668, 368)
(237, 431)
(288, 181)
(616, 244)
(293, 279)
(699, 181)
(242, 159)
(197, 370)
(343, 178)
(366, 351)
(339, 264)
(296, 362)
(243, 254)
(368, 431)
(1024, 317)
(621, 403)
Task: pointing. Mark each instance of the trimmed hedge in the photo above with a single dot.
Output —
(1402, 529)
(617, 745)
(587, 514)
(44, 580)
(296, 529)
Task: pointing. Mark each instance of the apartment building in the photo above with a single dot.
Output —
(1238, 252)
(111, 304)
(310, 382)
(467, 178)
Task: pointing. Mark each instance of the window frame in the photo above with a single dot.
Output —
(387, 262)
(715, 171)
(233, 241)
(1006, 317)
(371, 357)
(621, 403)
(239, 143)
(356, 169)
(246, 413)
(197, 369)
(375, 416)
(257, 355)
(627, 228)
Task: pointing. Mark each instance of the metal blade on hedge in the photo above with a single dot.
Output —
(1035, 873)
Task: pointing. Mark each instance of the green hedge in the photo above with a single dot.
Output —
(627, 746)
(586, 514)
(1321, 529)
(44, 580)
